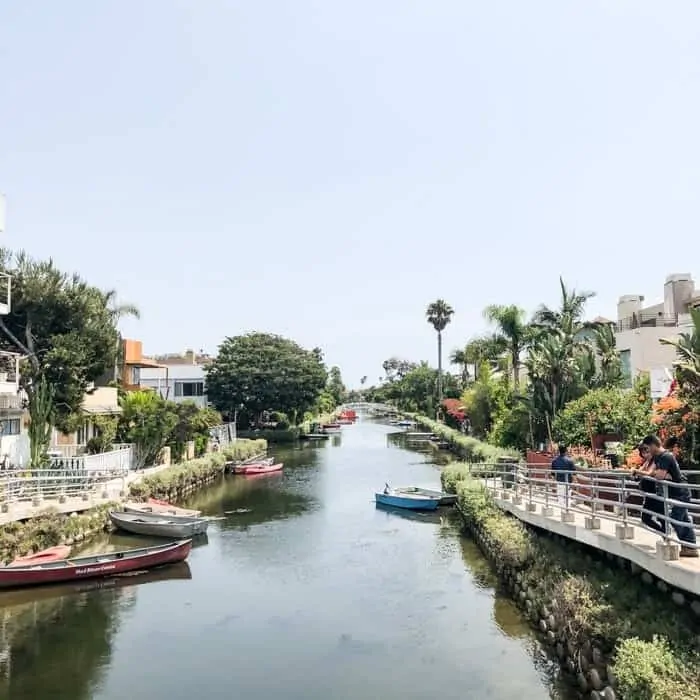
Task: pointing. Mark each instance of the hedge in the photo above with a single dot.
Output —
(607, 626)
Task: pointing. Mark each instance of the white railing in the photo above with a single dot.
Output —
(80, 450)
(608, 494)
(118, 459)
(57, 484)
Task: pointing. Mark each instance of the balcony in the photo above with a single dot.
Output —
(11, 402)
(5, 294)
(646, 320)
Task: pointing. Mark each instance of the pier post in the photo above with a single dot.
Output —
(667, 551)
(592, 523)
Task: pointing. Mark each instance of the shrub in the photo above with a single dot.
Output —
(465, 446)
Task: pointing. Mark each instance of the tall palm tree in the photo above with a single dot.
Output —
(459, 357)
(513, 332)
(117, 311)
(438, 315)
(609, 365)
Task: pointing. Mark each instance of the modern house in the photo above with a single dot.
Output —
(133, 362)
(14, 440)
(179, 378)
(639, 328)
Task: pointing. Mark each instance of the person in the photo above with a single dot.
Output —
(648, 486)
(667, 469)
(563, 468)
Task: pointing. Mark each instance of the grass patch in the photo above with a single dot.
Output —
(650, 643)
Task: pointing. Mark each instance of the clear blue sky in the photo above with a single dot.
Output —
(324, 169)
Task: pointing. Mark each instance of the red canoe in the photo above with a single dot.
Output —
(251, 469)
(95, 566)
(57, 553)
(158, 502)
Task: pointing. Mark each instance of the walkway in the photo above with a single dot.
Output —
(105, 492)
(606, 531)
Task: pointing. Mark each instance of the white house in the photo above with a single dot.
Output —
(14, 439)
(185, 382)
(638, 329)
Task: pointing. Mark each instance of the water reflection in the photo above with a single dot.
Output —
(434, 517)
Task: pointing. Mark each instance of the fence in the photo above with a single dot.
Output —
(121, 458)
(614, 495)
(80, 450)
(225, 434)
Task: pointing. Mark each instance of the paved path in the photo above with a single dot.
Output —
(640, 548)
(22, 510)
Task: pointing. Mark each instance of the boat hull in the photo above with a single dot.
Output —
(96, 566)
(43, 557)
(258, 469)
(156, 525)
(445, 499)
(160, 509)
(407, 502)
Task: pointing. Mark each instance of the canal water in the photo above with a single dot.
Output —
(304, 590)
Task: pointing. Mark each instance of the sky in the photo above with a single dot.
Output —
(324, 169)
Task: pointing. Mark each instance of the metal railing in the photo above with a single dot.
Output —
(646, 320)
(613, 495)
(80, 449)
(47, 484)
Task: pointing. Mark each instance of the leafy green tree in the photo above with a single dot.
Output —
(147, 421)
(609, 368)
(65, 329)
(439, 314)
(193, 424)
(687, 363)
(335, 386)
(261, 372)
(512, 333)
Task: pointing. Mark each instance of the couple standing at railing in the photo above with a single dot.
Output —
(660, 466)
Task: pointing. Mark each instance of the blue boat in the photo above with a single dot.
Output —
(407, 501)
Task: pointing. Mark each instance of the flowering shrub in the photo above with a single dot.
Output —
(454, 412)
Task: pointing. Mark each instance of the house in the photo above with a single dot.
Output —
(639, 329)
(180, 378)
(133, 362)
(14, 439)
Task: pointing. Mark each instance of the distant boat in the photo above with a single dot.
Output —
(157, 525)
(45, 555)
(256, 469)
(95, 566)
(406, 500)
(160, 508)
(405, 423)
(446, 499)
(315, 436)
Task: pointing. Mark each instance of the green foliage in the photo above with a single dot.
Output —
(147, 421)
(605, 411)
(466, 447)
(106, 429)
(335, 387)
(261, 372)
(192, 424)
(41, 412)
(64, 326)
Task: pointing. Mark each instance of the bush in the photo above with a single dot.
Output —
(464, 446)
(272, 435)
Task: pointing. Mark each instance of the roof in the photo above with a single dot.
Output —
(601, 320)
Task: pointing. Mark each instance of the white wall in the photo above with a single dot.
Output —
(646, 352)
(16, 447)
(156, 379)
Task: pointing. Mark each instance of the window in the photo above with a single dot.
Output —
(626, 363)
(189, 389)
(10, 426)
(135, 378)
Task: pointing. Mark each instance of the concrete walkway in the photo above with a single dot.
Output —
(608, 533)
(103, 493)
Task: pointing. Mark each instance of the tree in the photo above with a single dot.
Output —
(193, 425)
(335, 386)
(483, 349)
(460, 358)
(439, 314)
(512, 333)
(261, 372)
(609, 370)
(64, 328)
(394, 368)
(147, 421)
(687, 363)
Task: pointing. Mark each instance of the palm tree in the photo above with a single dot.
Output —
(610, 367)
(439, 314)
(460, 358)
(687, 347)
(117, 311)
(485, 349)
(513, 333)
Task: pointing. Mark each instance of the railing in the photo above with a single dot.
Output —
(11, 402)
(80, 450)
(646, 320)
(612, 495)
(60, 484)
(117, 459)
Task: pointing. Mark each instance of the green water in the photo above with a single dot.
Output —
(303, 590)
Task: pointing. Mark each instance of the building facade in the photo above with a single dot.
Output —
(178, 382)
(639, 329)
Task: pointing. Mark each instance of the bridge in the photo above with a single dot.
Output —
(367, 407)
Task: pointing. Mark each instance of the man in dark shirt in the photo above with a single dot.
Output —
(667, 469)
(563, 467)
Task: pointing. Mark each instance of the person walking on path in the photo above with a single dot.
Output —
(563, 468)
(667, 469)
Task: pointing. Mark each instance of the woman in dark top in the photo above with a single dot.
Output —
(650, 505)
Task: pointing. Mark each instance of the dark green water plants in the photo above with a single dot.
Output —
(618, 633)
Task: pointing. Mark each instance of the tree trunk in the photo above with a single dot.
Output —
(516, 371)
(439, 370)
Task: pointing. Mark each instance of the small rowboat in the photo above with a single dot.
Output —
(251, 469)
(408, 501)
(95, 566)
(446, 499)
(157, 525)
(160, 508)
(45, 555)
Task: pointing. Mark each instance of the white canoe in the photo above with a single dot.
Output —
(160, 509)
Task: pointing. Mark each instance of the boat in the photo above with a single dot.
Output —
(409, 501)
(45, 555)
(315, 436)
(255, 469)
(446, 499)
(243, 467)
(158, 525)
(405, 423)
(160, 508)
(95, 566)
